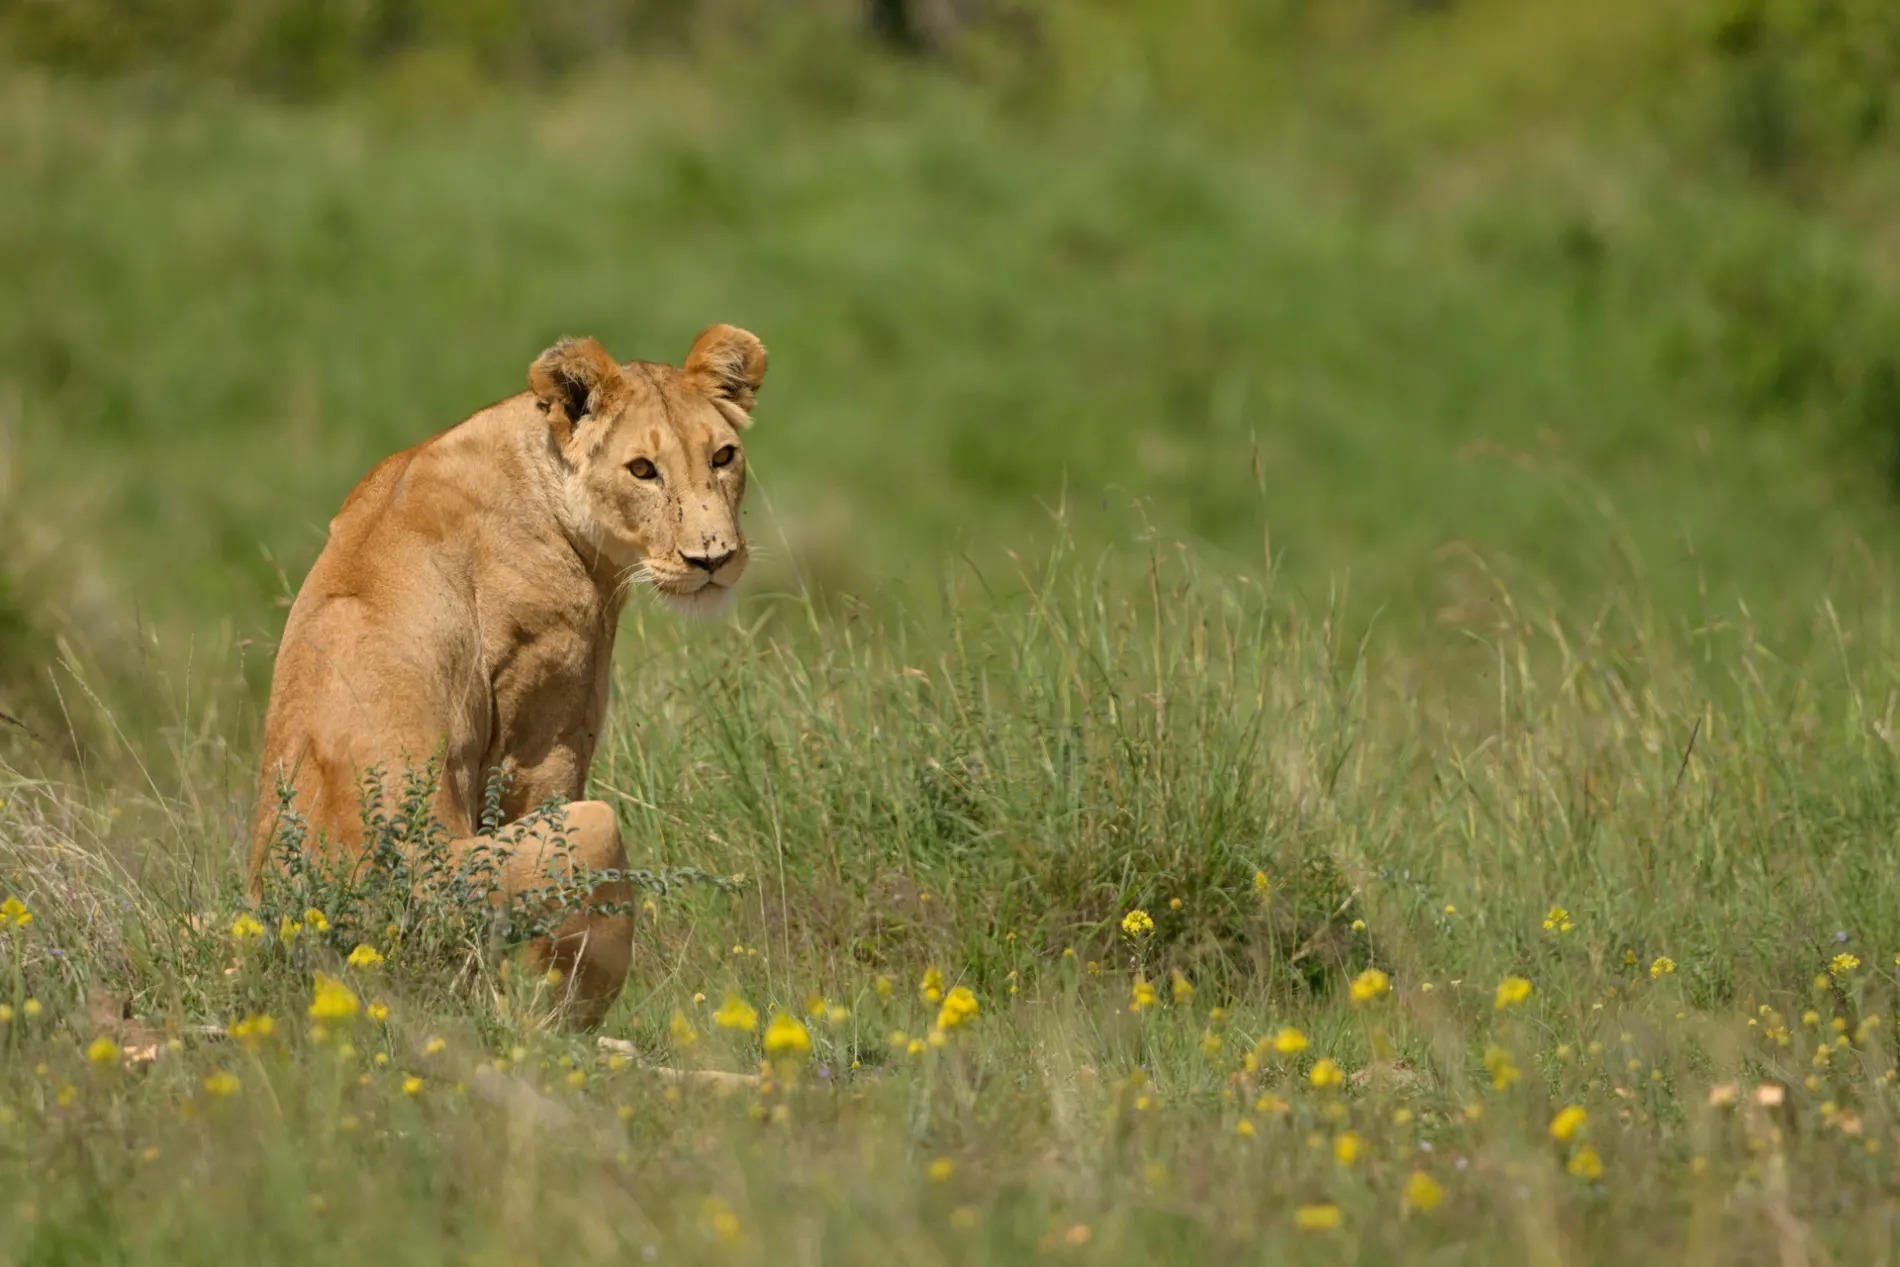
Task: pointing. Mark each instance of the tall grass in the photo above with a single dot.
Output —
(1372, 492)
(1285, 808)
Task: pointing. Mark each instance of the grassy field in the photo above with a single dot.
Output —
(1320, 687)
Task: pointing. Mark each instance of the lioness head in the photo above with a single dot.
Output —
(651, 463)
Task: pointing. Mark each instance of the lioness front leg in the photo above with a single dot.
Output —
(592, 951)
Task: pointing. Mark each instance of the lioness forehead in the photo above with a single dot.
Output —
(661, 401)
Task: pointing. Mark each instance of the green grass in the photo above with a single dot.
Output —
(1372, 348)
(984, 807)
(1421, 476)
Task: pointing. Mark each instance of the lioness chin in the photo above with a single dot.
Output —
(465, 607)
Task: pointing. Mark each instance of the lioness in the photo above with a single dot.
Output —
(466, 601)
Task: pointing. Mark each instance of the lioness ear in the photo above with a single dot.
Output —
(728, 363)
(572, 379)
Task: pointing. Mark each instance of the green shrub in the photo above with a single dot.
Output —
(1807, 81)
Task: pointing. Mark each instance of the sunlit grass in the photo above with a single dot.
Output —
(1170, 929)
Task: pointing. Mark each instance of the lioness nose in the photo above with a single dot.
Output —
(708, 562)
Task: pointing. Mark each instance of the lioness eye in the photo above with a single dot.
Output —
(642, 469)
(725, 455)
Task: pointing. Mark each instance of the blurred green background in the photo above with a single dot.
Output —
(1409, 298)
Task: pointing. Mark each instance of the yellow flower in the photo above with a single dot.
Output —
(1210, 1044)
(681, 1029)
(931, 987)
(316, 920)
(246, 929)
(1512, 991)
(736, 1013)
(1585, 1164)
(1244, 1128)
(379, 1011)
(1843, 964)
(1326, 1074)
(1263, 887)
(885, 987)
(223, 1083)
(1183, 989)
(103, 1051)
(959, 1005)
(365, 956)
(1369, 985)
(787, 1034)
(1557, 921)
(1143, 996)
(1504, 1070)
(1137, 923)
(434, 1047)
(32, 1008)
(331, 1000)
(1289, 1042)
(287, 930)
(13, 914)
(6, 1013)
(1347, 1147)
(1567, 1123)
(721, 1222)
(941, 1170)
(1316, 1218)
(412, 1085)
(252, 1030)
(1422, 1192)
(1663, 966)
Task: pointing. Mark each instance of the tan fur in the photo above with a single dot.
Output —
(466, 602)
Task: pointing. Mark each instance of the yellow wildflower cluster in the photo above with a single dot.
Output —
(1369, 985)
(1512, 991)
(736, 1013)
(1502, 1067)
(331, 1000)
(1137, 923)
(13, 913)
(787, 1036)
(1326, 1074)
(1567, 1123)
(959, 1005)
